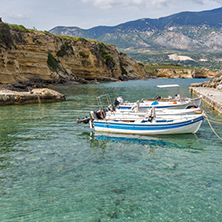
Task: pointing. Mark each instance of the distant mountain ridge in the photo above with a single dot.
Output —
(211, 18)
(186, 31)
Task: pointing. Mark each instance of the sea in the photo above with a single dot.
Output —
(54, 169)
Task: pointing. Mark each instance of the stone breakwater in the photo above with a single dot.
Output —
(9, 97)
(212, 96)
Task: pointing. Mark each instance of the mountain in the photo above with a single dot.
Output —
(197, 34)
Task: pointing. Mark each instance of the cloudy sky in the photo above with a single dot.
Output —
(45, 14)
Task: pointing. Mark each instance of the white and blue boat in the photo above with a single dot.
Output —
(136, 113)
(150, 122)
(150, 126)
(161, 103)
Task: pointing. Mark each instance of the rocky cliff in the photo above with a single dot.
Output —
(182, 73)
(215, 82)
(32, 58)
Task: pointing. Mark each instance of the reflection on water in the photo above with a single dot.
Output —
(185, 141)
(53, 169)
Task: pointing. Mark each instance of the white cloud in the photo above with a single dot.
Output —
(18, 16)
(107, 4)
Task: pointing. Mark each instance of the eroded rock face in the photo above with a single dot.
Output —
(215, 82)
(34, 58)
(183, 73)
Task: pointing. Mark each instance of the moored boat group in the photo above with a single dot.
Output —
(148, 116)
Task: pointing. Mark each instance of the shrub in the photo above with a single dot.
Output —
(122, 69)
(66, 49)
(5, 35)
(18, 28)
(83, 54)
(52, 62)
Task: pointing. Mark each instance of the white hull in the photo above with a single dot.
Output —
(143, 113)
(174, 104)
(186, 125)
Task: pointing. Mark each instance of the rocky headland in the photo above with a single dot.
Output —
(35, 59)
(31, 59)
(182, 73)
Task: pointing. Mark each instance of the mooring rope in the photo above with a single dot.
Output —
(209, 122)
(214, 119)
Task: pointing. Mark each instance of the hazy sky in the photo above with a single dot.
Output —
(44, 14)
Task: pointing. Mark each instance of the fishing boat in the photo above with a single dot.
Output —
(143, 113)
(185, 124)
(150, 125)
(158, 102)
(143, 123)
(162, 103)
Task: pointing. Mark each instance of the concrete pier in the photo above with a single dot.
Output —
(211, 96)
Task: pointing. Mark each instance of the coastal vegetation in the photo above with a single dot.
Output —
(65, 49)
(53, 63)
(5, 36)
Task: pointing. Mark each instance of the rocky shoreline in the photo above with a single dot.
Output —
(43, 95)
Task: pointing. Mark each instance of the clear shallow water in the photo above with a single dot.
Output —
(53, 169)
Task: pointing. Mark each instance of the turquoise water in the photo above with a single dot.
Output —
(53, 169)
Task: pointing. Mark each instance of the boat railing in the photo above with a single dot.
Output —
(100, 102)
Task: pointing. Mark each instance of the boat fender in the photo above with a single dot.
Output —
(198, 112)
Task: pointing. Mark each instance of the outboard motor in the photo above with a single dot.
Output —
(119, 101)
(110, 108)
(157, 97)
(83, 120)
(151, 114)
(177, 96)
(98, 114)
